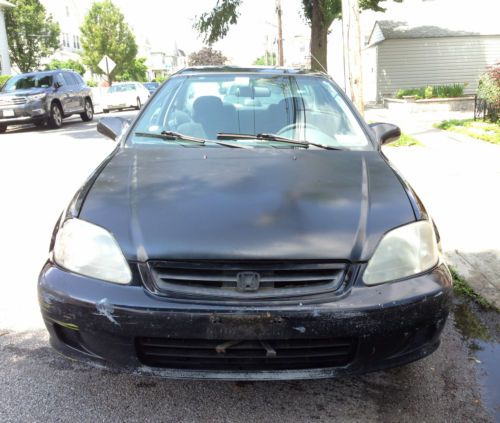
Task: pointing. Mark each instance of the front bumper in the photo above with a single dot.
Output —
(389, 325)
(17, 114)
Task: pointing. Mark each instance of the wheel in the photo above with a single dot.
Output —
(88, 114)
(139, 105)
(105, 110)
(55, 118)
(3, 128)
(40, 124)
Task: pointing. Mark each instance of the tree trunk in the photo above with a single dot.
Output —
(319, 34)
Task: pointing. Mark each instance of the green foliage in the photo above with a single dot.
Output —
(435, 91)
(261, 61)
(215, 24)
(462, 288)
(405, 141)
(3, 80)
(429, 91)
(160, 79)
(489, 90)
(67, 64)
(104, 31)
(91, 83)
(485, 131)
(136, 71)
(33, 34)
(207, 57)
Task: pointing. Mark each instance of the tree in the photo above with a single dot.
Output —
(105, 32)
(319, 14)
(66, 64)
(267, 59)
(207, 57)
(33, 35)
(136, 71)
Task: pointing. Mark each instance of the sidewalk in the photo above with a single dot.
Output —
(458, 179)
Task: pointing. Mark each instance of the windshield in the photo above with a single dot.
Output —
(121, 88)
(23, 82)
(305, 108)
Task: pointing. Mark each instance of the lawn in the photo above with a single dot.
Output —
(404, 141)
(485, 131)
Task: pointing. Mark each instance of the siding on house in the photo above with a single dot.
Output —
(418, 62)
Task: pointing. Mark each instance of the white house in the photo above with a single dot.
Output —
(4, 45)
(419, 43)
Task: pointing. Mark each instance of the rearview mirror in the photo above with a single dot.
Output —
(112, 127)
(385, 132)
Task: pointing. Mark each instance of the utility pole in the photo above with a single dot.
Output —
(352, 51)
(281, 61)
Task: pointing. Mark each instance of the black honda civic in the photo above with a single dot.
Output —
(247, 226)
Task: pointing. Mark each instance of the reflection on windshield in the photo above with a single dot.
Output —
(301, 107)
(27, 82)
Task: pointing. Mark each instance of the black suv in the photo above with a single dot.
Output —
(44, 97)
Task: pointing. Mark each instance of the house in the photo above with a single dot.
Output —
(163, 63)
(70, 15)
(4, 45)
(418, 43)
(409, 56)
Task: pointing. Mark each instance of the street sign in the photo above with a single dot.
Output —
(106, 64)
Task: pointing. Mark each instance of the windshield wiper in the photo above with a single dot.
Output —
(175, 136)
(273, 137)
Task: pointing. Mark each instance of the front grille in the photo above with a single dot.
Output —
(246, 280)
(12, 101)
(203, 354)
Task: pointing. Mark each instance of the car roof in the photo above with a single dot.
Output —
(250, 69)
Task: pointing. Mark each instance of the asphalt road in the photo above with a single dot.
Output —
(39, 171)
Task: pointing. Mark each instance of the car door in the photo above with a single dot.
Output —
(72, 92)
(63, 92)
(79, 91)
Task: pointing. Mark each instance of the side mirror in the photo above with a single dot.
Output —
(385, 132)
(57, 85)
(111, 127)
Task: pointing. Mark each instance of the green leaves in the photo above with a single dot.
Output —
(215, 24)
(104, 31)
(33, 34)
(136, 71)
(66, 64)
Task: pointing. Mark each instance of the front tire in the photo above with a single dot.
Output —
(88, 114)
(138, 105)
(40, 124)
(105, 110)
(3, 128)
(56, 116)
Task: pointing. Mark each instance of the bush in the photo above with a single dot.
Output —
(434, 91)
(3, 80)
(429, 91)
(91, 83)
(489, 90)
(67, 64)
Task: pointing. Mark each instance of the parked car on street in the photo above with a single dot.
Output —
(254, 232)
(44, 97)
(151, 86)
(125, 95)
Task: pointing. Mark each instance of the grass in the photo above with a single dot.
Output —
(405, 141)
(485, 131)
(463, 289)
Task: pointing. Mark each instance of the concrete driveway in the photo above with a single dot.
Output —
(39, 171)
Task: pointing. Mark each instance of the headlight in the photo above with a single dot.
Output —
(90, 250)
(36, 97)
(403, 252)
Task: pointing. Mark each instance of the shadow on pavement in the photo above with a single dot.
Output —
(51, 387)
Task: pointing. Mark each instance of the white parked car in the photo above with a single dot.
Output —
(125, 94)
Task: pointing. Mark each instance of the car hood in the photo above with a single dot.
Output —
(25, 92)
(224, 203)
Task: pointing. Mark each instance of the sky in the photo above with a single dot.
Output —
(164, 22)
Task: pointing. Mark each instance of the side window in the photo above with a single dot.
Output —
(79, 79)
(59, 78)
(68, 79)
